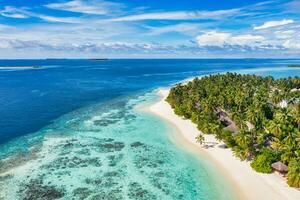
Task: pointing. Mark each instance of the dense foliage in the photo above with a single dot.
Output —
(258, 117)
(294, 173)
(262, 162)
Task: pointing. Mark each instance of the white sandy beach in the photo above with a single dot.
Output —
(249, 184)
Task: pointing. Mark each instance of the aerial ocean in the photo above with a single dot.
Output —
(70, 129)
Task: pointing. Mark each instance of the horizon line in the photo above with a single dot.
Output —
(155, 58)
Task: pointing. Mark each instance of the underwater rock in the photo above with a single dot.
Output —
(83, 151)
(151, 161)
(68, 146)
(137, 144)
(113, 160)
(108, 180)
(160, 184)
(35, 190)
(105, 122)
(6, 177)
(135, 191)
(115, 194)
(72, 162)
(82, 193)
(95, 181)
(109, 146)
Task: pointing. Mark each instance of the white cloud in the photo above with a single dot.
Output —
(284, 34)
(213, 38)
(292, 44)
(96, 7)
(186, 28)
(247, 39)
(5, 27)
(90, 30)
(179, 15)
(108, 47)
(13, 12)
(57, 19)
(59, 33)
(271, 24)
(4, 44)
(21, 13)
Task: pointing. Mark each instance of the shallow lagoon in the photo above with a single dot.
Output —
(111, 150)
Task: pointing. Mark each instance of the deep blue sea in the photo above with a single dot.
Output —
(31, 98)
(69, 126)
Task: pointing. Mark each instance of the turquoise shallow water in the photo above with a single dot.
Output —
(109, 150)
(113, 152)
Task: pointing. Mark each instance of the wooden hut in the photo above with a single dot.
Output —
(226, 121)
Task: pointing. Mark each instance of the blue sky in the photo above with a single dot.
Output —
(149, 28)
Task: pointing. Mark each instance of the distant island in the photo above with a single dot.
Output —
(92, 59)
(21, 67)
(56, 59)
(98, 59)
(294, 65)
(257, 117)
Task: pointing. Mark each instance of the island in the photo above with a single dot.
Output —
(98, 59)
(258, 118)
(20, 67)
(297, 66)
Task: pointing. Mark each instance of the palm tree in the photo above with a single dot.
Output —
(243, 139)
(247, 98)
(283, 116)
(274, 128)
(297, 139)
(297, 120)
(242, 153)
(276, 144)
(293, 174)
(255, 115)
(215, 128)
(251, 115)
(276, 97)
(287, 153)
(200, 139)
(290, 139)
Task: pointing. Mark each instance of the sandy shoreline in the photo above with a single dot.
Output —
(250, 184)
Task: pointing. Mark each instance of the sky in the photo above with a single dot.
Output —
(149, 29)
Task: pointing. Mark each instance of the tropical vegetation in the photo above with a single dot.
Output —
(258, 117)
(293, 65)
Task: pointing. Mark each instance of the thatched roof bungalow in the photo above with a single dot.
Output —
(225, 120)
(280, 167)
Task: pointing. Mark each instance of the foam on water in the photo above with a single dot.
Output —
(110, 152)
